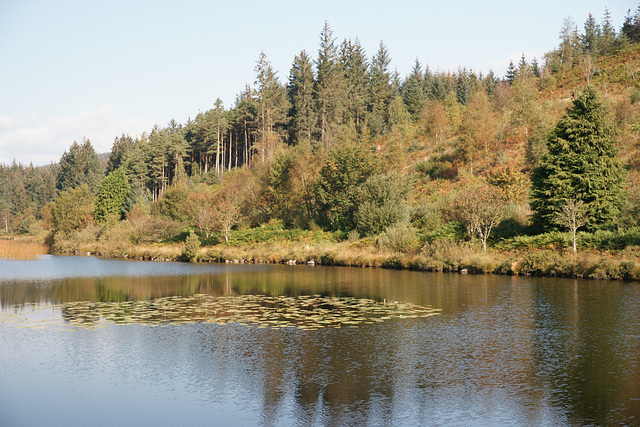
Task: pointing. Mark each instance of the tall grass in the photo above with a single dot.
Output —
(20, 249)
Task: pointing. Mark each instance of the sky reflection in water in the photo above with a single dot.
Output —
(503, 351)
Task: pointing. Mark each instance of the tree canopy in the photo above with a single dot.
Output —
(581, 164)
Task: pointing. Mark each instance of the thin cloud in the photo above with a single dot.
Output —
(30, 140)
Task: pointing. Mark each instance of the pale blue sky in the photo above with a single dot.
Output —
(74, 69)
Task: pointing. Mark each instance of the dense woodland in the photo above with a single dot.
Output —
(348, 150)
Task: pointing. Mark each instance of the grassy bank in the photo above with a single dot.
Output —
(536, 257)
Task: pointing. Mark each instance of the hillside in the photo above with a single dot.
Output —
(421, 170)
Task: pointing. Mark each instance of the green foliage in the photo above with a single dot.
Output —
(122, 148)
(448, 255)
(441, 168)
(381, 204)
(174, 204)
(581, 163)
(112, 196)
(274, 231)
(191, 247)
(338, 190)
(80, 165)
(73, 209)
(400, 237)
(414, 93)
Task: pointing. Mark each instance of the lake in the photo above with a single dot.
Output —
(90, 341)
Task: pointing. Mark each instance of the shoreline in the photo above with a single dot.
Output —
(617, 266)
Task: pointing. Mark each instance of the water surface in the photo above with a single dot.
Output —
(502, 350)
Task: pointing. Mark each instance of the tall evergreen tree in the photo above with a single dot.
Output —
(245, 113)
(581, 164)
(414, 93)
(329, 88)
(511, 73)
(80, 165)
(273, 106)
(300, 90)
(380, 90)
(122, 147)
(608, 36)
(354, 63)
(631, 26)
(590, 40)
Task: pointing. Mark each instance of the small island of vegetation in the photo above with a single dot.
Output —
(347, 163)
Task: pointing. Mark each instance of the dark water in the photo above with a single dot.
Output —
(503, 350)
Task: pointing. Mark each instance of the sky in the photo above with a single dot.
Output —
(71, 70)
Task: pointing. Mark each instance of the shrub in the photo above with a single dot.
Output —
(449, 255)
(401, 237)
(191, 247)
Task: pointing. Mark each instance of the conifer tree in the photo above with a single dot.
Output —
(511, 73)
(523, 66)
(591, 37)
(273, 106)
(631, 26)
(608, 36)
(329, 89)
(354, 64)
(300, 90)
(112, 196)
(380, 90)
(581, 164)
(80, 165)
(120, 151)
(414, 92)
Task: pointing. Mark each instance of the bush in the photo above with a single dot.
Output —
(191, 247)
(381, 205)
(401, 237)
(437, 169)
(448, 255)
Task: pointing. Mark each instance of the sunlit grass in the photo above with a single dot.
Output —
(19, 249)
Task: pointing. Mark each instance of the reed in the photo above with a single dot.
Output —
(20, 249)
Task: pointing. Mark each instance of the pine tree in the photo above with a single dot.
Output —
(122, 147)
(608, 37)
(523, 66)
(329, 88)
(273, 106)
(354, 64)
(414, 92)
(380, 90)
(631, 26)
(511, 73)
(590, 40)
(535, 68)
(581, 164)
(80, 165)
(300, 90)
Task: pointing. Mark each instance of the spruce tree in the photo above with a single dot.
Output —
(380, 90)
(80, 165)
(414, 92)
(581, 164)
(511, 73)
(300, 91)
(591, 37)
(329, 88)
(354, 64)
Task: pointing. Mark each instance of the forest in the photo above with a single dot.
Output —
(348, 163)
